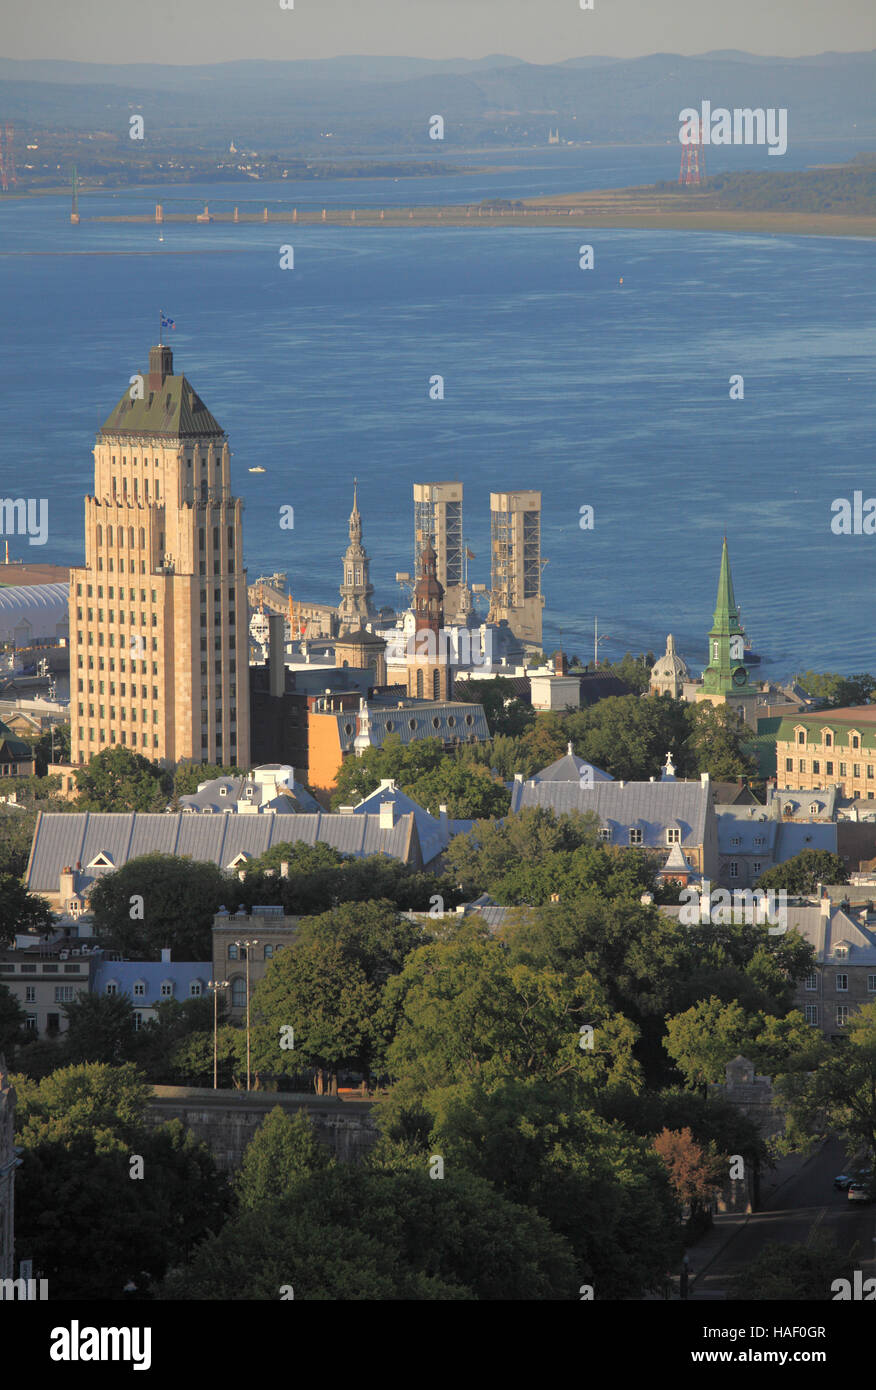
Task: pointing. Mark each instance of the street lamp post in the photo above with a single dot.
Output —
(246, 946)
(596, 641)
(215, 986)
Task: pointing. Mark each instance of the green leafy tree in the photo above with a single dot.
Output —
(92, 1101)
(155, 1045)
(802, 874)
(799, 1273)
(372, 934)
(324, 995)
(604, 1190)
(839, 1095)
(836, 692)
(53, 746)
(21, 911)
(12, 1020)
(191, 1058)
(178, 898)
(117, 779)
(404, 763)
(282, 1152)
(629, 737)
(706, 1037)
(462, 1010)
(741, 962)
(92, 1230)
(612, 873)
(469, 793)
(634, 671)
(100, 1028)
(351, 1233)
(481, 860)
(716, 743)
(506, 714)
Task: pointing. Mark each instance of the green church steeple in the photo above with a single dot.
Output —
(726, 672)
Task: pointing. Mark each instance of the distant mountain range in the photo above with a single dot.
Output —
(384, 104)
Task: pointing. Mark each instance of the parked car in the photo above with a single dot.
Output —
(860, 1192)
(843, 1181)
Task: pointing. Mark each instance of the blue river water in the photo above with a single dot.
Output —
(600, 393)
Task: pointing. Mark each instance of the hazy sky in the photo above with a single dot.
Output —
(542, 31)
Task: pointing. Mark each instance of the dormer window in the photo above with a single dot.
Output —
(604, 833)
(196, 989)
(827, 738)
(673, 835)
(167, 989)
(635, 835)
(856, 740)
(801, 736)
(102, 860)
(814, 808)
(223, 791)
(139, 989)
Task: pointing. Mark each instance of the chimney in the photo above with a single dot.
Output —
(387, 815)
(284, 868)
(825, 905)
(518, 777)
(165, 955)
(704, 779)
(277, 655)
(160, 366)
(442, 812)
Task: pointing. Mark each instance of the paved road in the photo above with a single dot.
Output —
(806, 1206)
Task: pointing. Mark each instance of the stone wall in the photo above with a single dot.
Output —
(227, 1120)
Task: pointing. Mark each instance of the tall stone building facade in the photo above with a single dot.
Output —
(158, 613)
(356, 608)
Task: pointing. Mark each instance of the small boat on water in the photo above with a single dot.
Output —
(257, 469)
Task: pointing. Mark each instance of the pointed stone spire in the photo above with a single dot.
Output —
(355, 516)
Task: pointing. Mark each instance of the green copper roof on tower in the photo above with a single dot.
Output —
(726, 672)
(726, 617)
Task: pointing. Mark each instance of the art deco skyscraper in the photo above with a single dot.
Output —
(158, 641)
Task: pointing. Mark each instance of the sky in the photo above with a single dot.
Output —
(541, 31)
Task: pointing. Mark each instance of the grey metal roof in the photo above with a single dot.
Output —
(826, 933)
(434, 832)
(734, 823)
(126, 973)
(793, 839)
(568, 768)
(826, 799)
(445, 720)
(77, 838)
(211, 797)
(651, 807)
